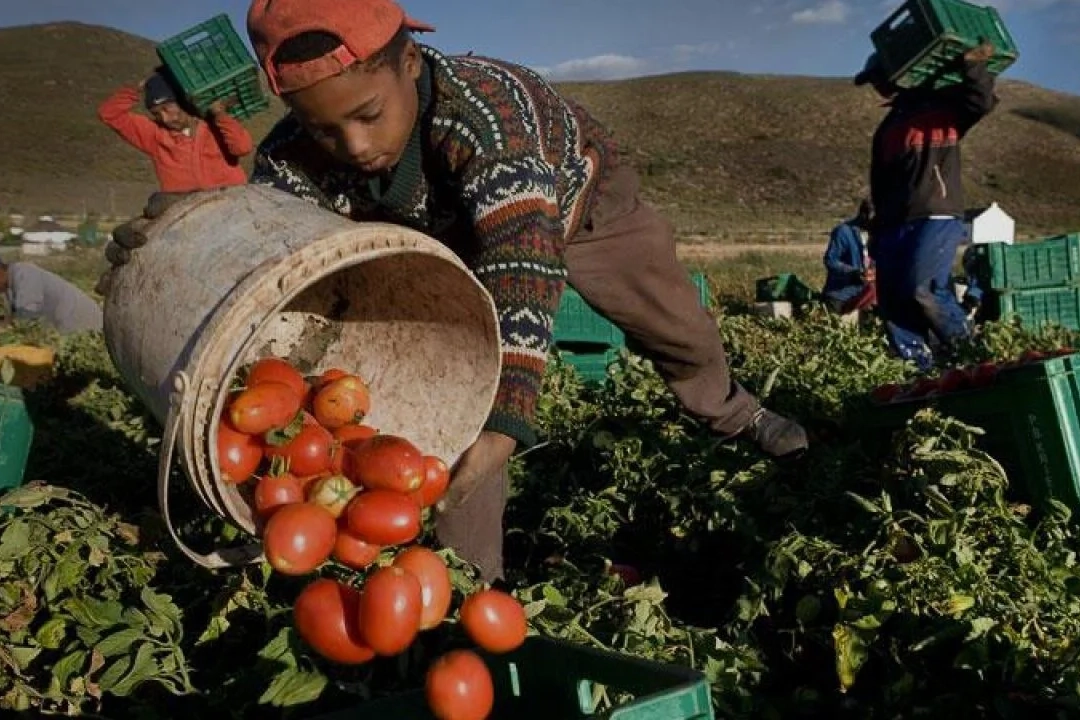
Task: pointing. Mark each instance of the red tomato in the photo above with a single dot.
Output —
(1031, 356)
(953, 380)
(299, 538)
(272, 369)
(342, 401)
(332, 492)
(383, 517)
(353, 552)
(345, 437)
(385, 462)
(308, 452)
(923, 387)
(327, 377)
(885, 393)
(391, 605)
(983, 374)
(434, 579)
(238, 454)
(264, 407)
(627, 573)
(459, 687)
(436, 480)
(275, 491)
(494, 620)
(327, 617)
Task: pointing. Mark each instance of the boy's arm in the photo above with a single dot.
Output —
(234, 136)
(272, 169)
(973, 99)
(518, 259)
(116, 112)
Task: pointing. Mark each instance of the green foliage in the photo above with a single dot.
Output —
(876, 577)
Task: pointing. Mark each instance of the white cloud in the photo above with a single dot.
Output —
(598, 67)
(829, 12)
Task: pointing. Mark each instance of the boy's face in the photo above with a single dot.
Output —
(363, 117)
(170, 115)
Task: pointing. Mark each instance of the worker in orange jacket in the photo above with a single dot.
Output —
(188, 153)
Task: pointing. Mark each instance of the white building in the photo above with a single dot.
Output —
(45, 236)
(992, 225)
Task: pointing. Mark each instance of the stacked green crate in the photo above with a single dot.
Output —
(210, 63)
(1038, 282)
(918, 41)
(589, 342)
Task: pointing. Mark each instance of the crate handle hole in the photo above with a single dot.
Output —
(196, 38)
(903, 18)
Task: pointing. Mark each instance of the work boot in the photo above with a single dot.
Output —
(776, 435)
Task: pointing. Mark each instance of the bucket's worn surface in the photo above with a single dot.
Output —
(235, 274)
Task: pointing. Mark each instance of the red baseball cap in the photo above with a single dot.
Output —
(364, 26)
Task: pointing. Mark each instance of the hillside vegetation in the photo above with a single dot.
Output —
(725, 154)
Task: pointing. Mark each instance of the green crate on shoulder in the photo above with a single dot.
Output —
(210, 63)
(549, 679)
(1031, 415)
(923, 36)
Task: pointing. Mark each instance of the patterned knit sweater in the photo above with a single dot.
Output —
(502, 170)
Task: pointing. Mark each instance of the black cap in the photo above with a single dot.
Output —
(158, 90)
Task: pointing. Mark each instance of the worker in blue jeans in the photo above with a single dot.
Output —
(918, 197)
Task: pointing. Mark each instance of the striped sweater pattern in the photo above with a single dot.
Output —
(501, 169)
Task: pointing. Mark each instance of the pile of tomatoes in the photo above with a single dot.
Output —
(327, 487)
(954, 379)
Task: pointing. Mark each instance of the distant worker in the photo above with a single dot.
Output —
(36, 294)
(188, 153)
(918, 197)
(849, 281)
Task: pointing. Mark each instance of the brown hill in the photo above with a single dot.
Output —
(723, 153)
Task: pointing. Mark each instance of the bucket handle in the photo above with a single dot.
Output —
(228, 557)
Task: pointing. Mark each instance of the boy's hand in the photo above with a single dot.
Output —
(132, 235)
(982, 53)
(220, 107)
(479, 464)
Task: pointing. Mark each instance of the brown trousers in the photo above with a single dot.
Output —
(623, 263)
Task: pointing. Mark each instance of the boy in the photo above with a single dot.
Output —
(523, 185)
(918, 197)
(849, 280)
(187, 153)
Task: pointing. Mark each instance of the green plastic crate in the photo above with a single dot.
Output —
(785, 287)
(590, 361)
(1031, 415)
(210, 62)
(1041, 306)
(553, 680)
(1043, 263)
(576, 322)
(16, 436)
(924, 35)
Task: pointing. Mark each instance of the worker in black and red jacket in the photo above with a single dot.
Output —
(918, 196)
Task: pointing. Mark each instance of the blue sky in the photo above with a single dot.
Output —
(608, 39)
